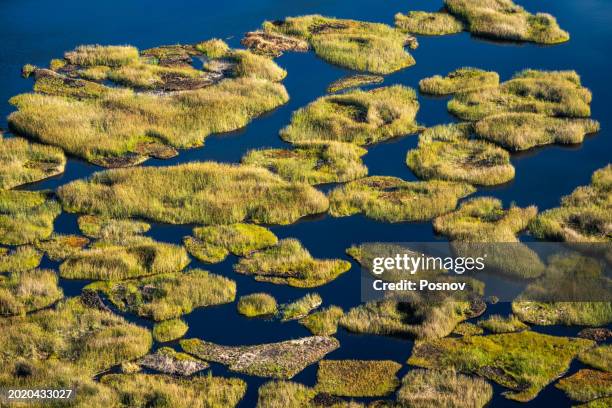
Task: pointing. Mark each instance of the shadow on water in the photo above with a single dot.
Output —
(543, 175)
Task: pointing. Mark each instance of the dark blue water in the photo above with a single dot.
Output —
(35, 31)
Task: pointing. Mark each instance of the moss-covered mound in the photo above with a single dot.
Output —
(501, 324)
(556, 298)
(272, 44)
(323, 322)
(312, 162)
(59, 247)
(584, 216)
(443, 389)
(392, 199)
(91, 339)
(291, 264)
(281, 360)
(522, 131)
(119, 126)
(148, 390)
(257, 304)
(168, 361)
(20, 259)
(504, 20)
(169, 296)
(358, 45)
(552, 93)
(586, 385)
(598, 357)
(22, 292)
(357, 378)
(207, 192)
(214, 243)
(110, 229)
(301, 307)
(134, 257)
(445, 152)
(26, 216)
(418, 320)
(525, 362)
(459, 80)
(169, 330)
(356, 116)
(354, 81)
(426, 23)
(22, 162)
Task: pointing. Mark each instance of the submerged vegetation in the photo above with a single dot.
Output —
(353, 81)
(203, 192)
(358, 45)
(26, 216)
(22, 162)
(392, 199)
(257, 304)
(291, 264)
(504, 20)
(312, 162)
(214, 243)
(584, 216)
(426, 23)
(445, 152)
(459, 80)
(356, 116)
(281, 360)
(357, 378)
(169, 296)
(525, 362)
(444, 389)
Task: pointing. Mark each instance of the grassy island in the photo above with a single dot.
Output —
(26, 216)
(353, 81)
(169, 330)
(357, 378)
(27, 291)
(257, 304)
(426, 23)
(459, 80)
(20, 259)
(22, 162)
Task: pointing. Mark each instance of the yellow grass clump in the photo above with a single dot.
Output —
(459, 80)
(22, 162)
(353, 81)
(20, 259)
(257, 304)
(426, 23)
(357, 378)
(22, 292)
(26, 216)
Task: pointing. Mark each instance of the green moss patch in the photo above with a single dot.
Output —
(522, 131)
(281, 360)
(586, 385)
(353, 81)
(208, 193)
(272, 44)
(467, 329)
(459, 80)
(425, 23)
(418, 320)
(443, 388)
(169, 330)
(291, 264)
(525, 362)
(598, 357)
(312, 162)
(257, 304)
(392, 199)
(501, 324)
(301, 307)
(168, 361)
(26, 216)
(138, 256)
(214, 243)
(445, 152)
(358, 45)
(357, 378)
(356, 116)
(504, 20)
(551, 93)
(168, 296)
(584, 216)
(91, 339)
(324, 322)
(22, 162)
(146, 390)
(20, 259)
(22, 292)
(110, 229)
(59, 247)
